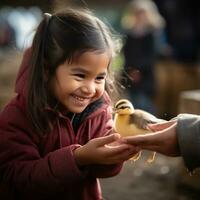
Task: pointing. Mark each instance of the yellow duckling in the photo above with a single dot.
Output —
(129, 122)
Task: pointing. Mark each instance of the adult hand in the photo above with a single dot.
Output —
(163, 141)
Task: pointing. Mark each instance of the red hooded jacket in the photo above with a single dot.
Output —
(43, 167)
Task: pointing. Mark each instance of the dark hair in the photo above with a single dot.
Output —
(60, 37)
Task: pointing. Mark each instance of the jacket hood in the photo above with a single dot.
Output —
(22, 76)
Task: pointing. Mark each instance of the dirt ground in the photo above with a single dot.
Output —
(165, 179)
(9, 65)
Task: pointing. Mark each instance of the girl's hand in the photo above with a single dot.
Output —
(104, 150)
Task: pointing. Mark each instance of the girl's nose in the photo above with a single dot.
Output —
(89, 88)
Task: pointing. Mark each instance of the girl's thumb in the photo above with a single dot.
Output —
(108, 139)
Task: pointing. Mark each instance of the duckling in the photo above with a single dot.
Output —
(129, 122)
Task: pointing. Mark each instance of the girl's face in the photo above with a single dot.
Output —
(81, 82)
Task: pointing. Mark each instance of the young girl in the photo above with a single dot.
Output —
(55, 133)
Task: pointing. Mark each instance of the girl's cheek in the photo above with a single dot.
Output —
(101, 90)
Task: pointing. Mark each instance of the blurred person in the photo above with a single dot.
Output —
(55, 133)
(7, 34)
(24, 21)
(178, 137)
(143, 26)
(182, 28)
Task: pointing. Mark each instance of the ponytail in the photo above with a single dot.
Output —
(37, 86)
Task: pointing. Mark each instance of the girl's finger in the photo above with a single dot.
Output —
(116, 150)
(125, 155)
(101, 141)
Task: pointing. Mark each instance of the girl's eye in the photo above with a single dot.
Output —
(100, 78)
(80, 76)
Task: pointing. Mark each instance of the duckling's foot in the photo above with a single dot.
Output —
(136, 156)
(151, 158)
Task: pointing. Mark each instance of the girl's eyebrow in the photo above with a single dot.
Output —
(81, 70)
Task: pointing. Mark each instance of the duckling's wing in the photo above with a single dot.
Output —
(142, 118)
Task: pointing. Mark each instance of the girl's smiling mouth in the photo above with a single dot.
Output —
(81, 101)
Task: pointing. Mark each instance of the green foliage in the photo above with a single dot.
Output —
(118, 62)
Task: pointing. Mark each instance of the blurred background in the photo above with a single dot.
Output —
(158, 68)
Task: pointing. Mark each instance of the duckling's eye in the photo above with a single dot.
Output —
(123, 107)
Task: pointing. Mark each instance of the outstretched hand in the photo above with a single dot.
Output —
(104, 150)
(163, 139)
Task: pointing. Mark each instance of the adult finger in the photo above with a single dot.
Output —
(148, 142)
(141, 140)
(161, 126)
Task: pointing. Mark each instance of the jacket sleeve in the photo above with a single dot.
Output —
(188, 131)
(22, 166)
(105, 127)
